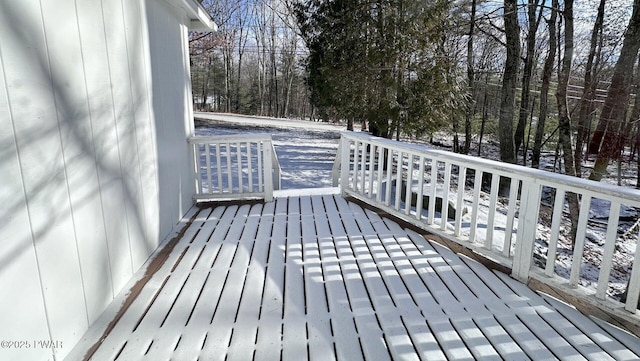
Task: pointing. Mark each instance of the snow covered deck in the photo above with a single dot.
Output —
(318, 277)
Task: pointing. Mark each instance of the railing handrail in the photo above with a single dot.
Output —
(506, 169)
(230, 138)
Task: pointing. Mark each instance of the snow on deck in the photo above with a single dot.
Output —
(317, 277)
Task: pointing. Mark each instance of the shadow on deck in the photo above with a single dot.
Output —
(318, 277)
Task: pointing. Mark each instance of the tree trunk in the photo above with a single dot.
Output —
(563, 114)
(260, 38)
(205, 84)
(236, 105)
(633, 125)
(617, 101)
(526, 146)
(470, 82)
(544, 88)
(242, 43)
(637, 137)
(485, 113)
(526, 76)
(507, 102)
(227, 82)
(561, 93)
(290, 74)
(274, 71)
(590, 86)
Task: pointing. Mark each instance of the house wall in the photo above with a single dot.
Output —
(94, 166)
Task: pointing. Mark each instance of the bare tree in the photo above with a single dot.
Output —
(260, 33)
(534, 20)
(587, 107)
(509, 79)
(544, 87)
(470, 80)
(274, 96)
(245, 13)
(561, 93)
(564, 119)
(612, 118)
(288, 65)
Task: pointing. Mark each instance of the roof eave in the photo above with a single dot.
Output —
(198, 15)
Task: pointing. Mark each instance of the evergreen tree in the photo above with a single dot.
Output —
(382, 61)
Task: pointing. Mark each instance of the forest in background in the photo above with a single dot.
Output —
(535, 75)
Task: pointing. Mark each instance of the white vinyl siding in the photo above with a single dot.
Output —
(95, 110)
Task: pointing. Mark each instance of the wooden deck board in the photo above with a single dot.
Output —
(320, 278)
(268, 342)
(295, 326)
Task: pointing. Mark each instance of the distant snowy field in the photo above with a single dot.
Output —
(306, 152)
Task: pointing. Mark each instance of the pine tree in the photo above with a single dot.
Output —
(382, 61)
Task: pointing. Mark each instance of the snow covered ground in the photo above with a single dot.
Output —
(306, 152)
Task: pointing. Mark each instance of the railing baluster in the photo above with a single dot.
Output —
(408, 193)
(609, 248)
(477, 180)
(380, 169)
(249, 167)
(387, 197)
(363, 169)
(208, 162)
(433, 184)
(558, 207)
(511, 215)
(462, 179)
(493, 202)
(356, 154)
(420, 195)
(398, 180)
(372, 156)
(260, 154)
(578, 247)
(239, 159)
(229, 174)
(445, 195)
(219, 168)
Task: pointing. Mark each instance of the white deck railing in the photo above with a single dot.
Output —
(377, 171)
(235, 167)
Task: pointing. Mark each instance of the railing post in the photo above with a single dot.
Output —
(344, 164)
(268, 172)
(633, 287)
(195, 153)
(527, 225)
(276, 167)
(335, 170)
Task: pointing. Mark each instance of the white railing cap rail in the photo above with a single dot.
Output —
(255, 137)
(506, 169)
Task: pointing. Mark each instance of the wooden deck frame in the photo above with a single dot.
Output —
(318, 277)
